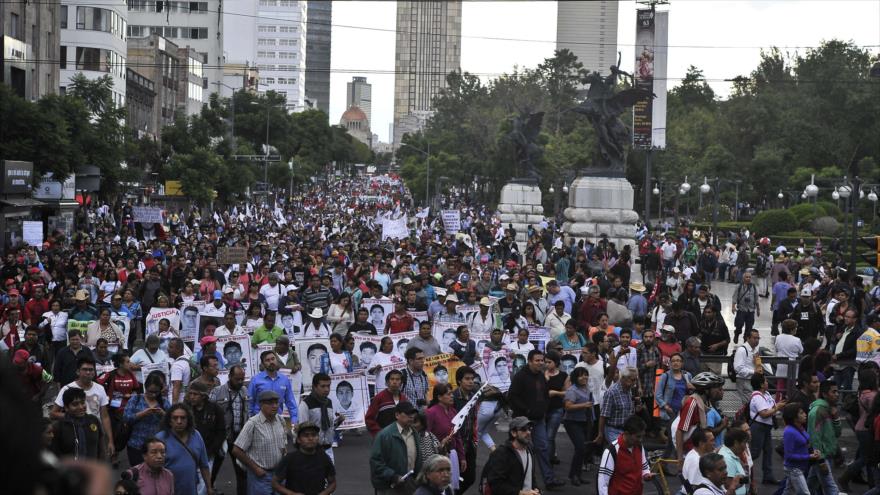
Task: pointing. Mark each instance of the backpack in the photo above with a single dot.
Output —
(743, 412)
(710, 262)
(761, 265)
(731, 373)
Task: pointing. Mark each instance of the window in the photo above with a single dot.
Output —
(265, 29)
(63, 17)
(286, 42)
(268, 3)
(286, 54)
(90, 58)
(15, 26)
(137, 5)
(198, 8)
(266, 42)
(288, 3)
(63, 57)
(270, 80)
(288, 29)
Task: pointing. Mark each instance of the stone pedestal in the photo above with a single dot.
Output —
(601, 205)
(520, 205)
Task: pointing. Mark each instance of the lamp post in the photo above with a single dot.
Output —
(718, 181)
(266, 154)
(427, 169)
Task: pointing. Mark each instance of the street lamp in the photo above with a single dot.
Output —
(427, 169)
(705, 188)
(551, 190)
(872, 196)
(656, 191)
(835, 196)
(565, 188)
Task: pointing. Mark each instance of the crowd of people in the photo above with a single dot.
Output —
(148, 349)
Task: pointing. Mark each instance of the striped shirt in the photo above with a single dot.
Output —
(263, 440)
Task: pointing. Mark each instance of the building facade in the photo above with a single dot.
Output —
(31, 42)
(197, 25)
(158, 60)
(359, 93)
(140, 96)
(589, 30)
(428, 47)
(191, 94)
(318, 44)
(355, 122)
(93, 43)
(270, 34)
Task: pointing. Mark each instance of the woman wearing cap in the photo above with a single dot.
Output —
(104, 328)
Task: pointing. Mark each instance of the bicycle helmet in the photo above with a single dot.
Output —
(706, 380)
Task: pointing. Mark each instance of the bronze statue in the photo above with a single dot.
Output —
(603, 107)
(524, 134)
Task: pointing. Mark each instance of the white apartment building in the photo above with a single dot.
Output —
(93, 42)
(196, 25)
(589, 30)
(270, 34)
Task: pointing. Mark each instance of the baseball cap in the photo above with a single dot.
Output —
(452, 298)
(208, 339)
(306, 426)
(228, 290)
(519, 422)
(218, 294)
(267, 395)
(20, 356)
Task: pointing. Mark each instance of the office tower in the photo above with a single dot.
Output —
(318, 41)
(270, 34)
(359, 94)
(428, 47)
(589, 30)
(30, 41)
(197, 25)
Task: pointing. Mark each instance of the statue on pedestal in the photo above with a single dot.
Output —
(602, 108)
(524, 133)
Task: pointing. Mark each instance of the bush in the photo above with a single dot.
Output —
(825, 226)
(771, 222)
(830, 208)
(804, 210)
(725, 214)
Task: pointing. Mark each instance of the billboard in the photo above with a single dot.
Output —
(651, 51)
(17, 177)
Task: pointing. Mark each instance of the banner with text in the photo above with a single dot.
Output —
(146, 214)
(351, 398)
(451, 220)
(649, 115)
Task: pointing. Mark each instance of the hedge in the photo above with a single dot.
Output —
(773, 221)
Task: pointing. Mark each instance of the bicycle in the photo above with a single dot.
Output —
(656, 462)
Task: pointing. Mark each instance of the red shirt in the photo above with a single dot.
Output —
(400, 323)
(119, 388)
(667, 349)
(34, 309)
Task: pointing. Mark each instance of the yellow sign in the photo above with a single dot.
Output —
(173, 188)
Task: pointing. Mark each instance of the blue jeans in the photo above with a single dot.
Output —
(259, 486)
(539, 440)
(762, 445)
(829, 486)
(796, 483)
(486, 418)
(553, 419)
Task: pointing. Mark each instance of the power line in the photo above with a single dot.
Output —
(395, 31)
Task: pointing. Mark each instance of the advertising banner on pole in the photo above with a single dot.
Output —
(651, 52)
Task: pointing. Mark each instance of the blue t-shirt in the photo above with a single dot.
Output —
(713, 419)
(181, 463)
(678, 394)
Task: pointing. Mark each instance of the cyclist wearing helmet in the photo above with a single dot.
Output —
(708, 388)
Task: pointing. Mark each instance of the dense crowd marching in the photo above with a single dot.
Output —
(147, 347)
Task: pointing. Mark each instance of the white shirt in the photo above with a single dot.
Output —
(690, 470)
(787, 346)
(628, 360)
(761, 402)
(96, 398)
(521, 349)
(596, 378)
(224, 332)
(478, 324)
(272, 295)
(668, 249)
(180, 371)
(744, 362)
(58, 324)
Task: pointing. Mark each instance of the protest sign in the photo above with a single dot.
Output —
(468, 310)
(444, 333)
(498, 365)
(207, 325)
(395, 228)
(230, 255)
(236, 349)
(401, 341)
(82, 326)
(459, 419)
(350, 397)
(146, 214)
(365, 348)
(310, 352)
(379, 310)
(124, 324)
(539, 337)
(292, 323)
(451, 220)
(164, 367)
(157, 314)
(32, 233)
(569, 360)
(441, 369)
(418, 318)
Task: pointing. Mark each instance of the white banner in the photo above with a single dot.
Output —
(236, 349)
(32, 233)
(351, 398)
(459, 418)
(146, 214)
(395, 229)
(451, 220)
(380, 310)
(310, 352)
(423, 212)
(157, 314)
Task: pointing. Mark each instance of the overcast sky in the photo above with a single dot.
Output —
(723, 38)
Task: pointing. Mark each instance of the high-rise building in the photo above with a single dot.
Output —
(159, 60)
(30, 42)
(359, 94)
(93, 43)
(428, 47)
(589, 30)
(197, 25)
(270, 34)
(318, 41)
